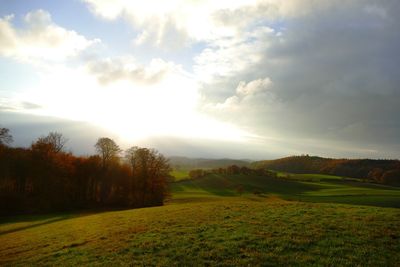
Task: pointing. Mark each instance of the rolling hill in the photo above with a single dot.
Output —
(299, 187)
(203, 163)
(381, 171)
(223, 220)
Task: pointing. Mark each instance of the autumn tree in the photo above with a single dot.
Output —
(233, 169)
(150, 174)
(107, 149)
(131, 158)
(5, 136)
(51, 171)
(54, 142)
(57, 141)
(44, 178)
(391, 177)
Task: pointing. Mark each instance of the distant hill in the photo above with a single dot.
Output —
(383, 171)
(202, 163)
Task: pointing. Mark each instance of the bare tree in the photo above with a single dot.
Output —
(131, 156)
(107, 149)
(57, 140)
(5, 136)
(150, 171)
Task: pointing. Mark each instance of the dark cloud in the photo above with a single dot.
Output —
(335, 81)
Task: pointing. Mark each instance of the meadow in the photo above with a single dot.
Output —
(298, 187)
(180, 175)
(293, 220)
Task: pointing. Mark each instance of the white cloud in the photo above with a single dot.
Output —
(176, 23)
(40, 39)
(9, 104)
(127, 68)
(246, 94)
(253, 87)
(226, 57)
(231, 103)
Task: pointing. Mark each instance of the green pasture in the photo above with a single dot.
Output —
(305, 187)
(224, 231)
(219, 220)
(180, 174)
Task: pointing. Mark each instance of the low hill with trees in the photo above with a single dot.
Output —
(204, 163)
(380, 171)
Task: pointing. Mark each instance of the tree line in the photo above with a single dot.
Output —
(45, 177)
(231, 170)
(379, 171)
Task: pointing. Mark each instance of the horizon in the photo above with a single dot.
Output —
(68, 149)
(254, 80)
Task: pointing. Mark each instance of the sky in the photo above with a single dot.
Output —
(201, 78)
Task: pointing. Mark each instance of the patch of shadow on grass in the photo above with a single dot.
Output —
(45, 219)
(227, 185)
(364, 184)
(75, 244)
(33, 225)
(361, 200)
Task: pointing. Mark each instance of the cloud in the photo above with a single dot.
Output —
(312, 71)
(312, 76)
(39, 39)
(26, 128)
(334, 71)
(172, 24)
(29, 105)
(253, 87)
(179, 23)
(223, 65)
(228, 56)
(126, 68)
(245, 92)
(8, 104)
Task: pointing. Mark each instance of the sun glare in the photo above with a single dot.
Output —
(131, 111)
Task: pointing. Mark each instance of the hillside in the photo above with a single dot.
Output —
(224, 232)
(381, 171)
(223, 220)
(184, 163)
(299, 187)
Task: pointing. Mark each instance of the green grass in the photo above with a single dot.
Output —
(210, 222)
(223, 232)
(305, 187)
(180, 175)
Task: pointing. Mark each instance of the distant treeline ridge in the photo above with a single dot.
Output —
(380, 171)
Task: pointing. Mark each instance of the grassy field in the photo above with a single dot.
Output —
(299, 187)
(219, 221)
(180, 174)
